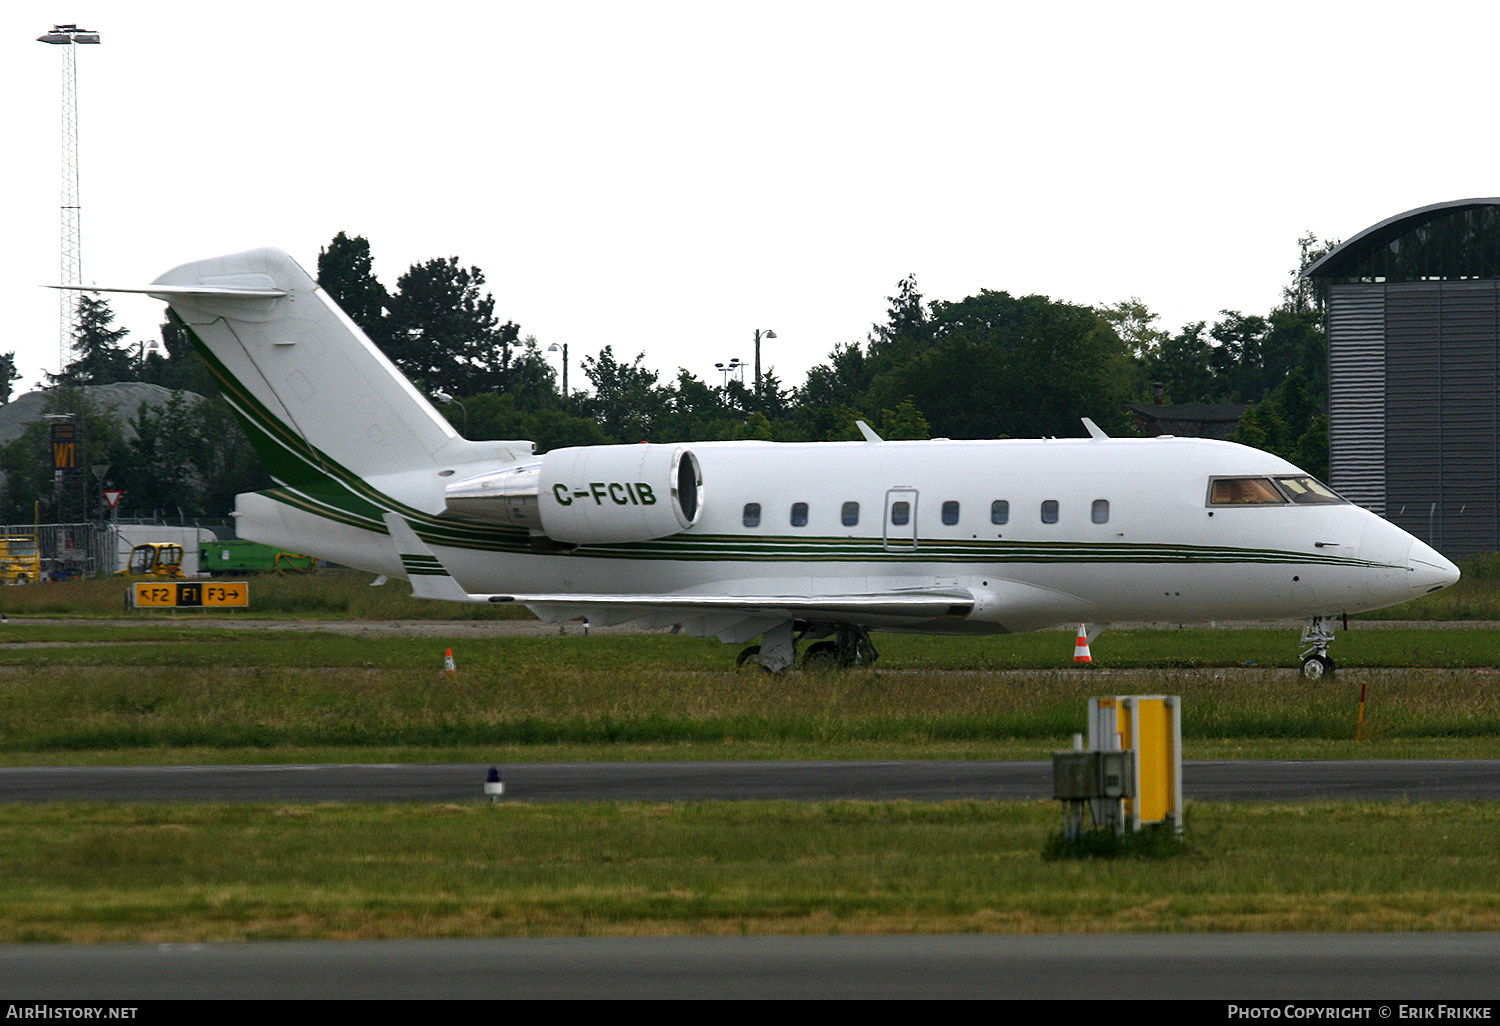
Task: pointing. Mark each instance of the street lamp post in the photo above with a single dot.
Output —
(553, 348)
(758, 336)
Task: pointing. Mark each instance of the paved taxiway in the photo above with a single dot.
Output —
(1230, 780)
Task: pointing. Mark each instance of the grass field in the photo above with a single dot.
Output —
(225, 873)
(132, 688)
(167, 692)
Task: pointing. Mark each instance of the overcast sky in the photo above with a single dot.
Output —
(666, 177)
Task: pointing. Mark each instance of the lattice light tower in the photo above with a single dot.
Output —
(71, 267)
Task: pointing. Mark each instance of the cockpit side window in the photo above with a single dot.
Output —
(1243, 491)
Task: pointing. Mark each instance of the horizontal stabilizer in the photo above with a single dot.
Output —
(168, 292)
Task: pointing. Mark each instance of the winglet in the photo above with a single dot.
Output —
(429, 578)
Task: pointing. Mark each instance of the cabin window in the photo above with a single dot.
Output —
(799, 514)
(1049, 511)
(1000, 511)
(950, 512)
(752, 514)
(1100, 512)
(901, 513)
(1243, 491)
(849, 515)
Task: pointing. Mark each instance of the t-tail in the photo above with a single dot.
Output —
(341, 431)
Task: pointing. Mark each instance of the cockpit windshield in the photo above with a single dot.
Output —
(1309, 491)
(1299, 489)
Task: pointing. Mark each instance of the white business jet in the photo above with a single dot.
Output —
(806, 546)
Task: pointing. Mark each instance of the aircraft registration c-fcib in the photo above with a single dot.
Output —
(802, 545)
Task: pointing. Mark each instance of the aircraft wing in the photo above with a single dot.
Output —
(731, 618)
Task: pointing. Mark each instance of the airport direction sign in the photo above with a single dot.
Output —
(191, 594)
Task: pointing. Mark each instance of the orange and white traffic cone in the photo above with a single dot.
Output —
(448, 665)
(1081, 646)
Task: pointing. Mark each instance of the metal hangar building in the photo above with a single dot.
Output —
(1414, 372)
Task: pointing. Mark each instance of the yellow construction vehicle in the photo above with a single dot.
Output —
(20, 559)
(154, 559)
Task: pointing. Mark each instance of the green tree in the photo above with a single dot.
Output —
(908, 328)
(175, 364)
(101, 356)
(494, 416)
(346, 272)
(1002, 365)
(1135, 324)
(442, 332)
(188, 454)
(8, 376)
(1238, 359)
(842, 380)
(1289, 422)
(905, 421)
(1182, 366)
(1303, 295)
(26, 462)
(626, 401)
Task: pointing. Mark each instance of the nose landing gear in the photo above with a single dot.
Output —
(1318, 633)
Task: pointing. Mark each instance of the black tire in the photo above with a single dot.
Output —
(1317, 667)
(821, 657)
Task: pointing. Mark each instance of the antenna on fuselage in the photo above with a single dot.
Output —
(1094, 430)
(868, 432)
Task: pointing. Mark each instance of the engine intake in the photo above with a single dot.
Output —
(592, 494)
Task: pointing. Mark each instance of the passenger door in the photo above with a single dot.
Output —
(900, 530)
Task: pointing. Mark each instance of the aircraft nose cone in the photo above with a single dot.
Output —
(1429, 570)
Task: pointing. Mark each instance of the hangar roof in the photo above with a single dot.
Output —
(1454, 240)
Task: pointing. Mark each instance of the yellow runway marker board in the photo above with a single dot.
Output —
(190, 594)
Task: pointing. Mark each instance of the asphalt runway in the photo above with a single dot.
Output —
(1228, 780)
(1378, 971)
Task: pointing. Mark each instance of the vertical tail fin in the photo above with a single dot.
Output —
(315, 393)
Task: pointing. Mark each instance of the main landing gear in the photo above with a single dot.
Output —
(850, 645)
(1315, 661)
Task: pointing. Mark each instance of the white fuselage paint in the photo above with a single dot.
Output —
(1163, 553)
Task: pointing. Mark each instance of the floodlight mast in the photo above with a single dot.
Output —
(70, 271)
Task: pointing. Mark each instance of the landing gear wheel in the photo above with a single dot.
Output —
(1316, 667)
(745, 656)
(821, 657)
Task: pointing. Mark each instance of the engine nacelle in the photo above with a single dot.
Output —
(592, 494)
